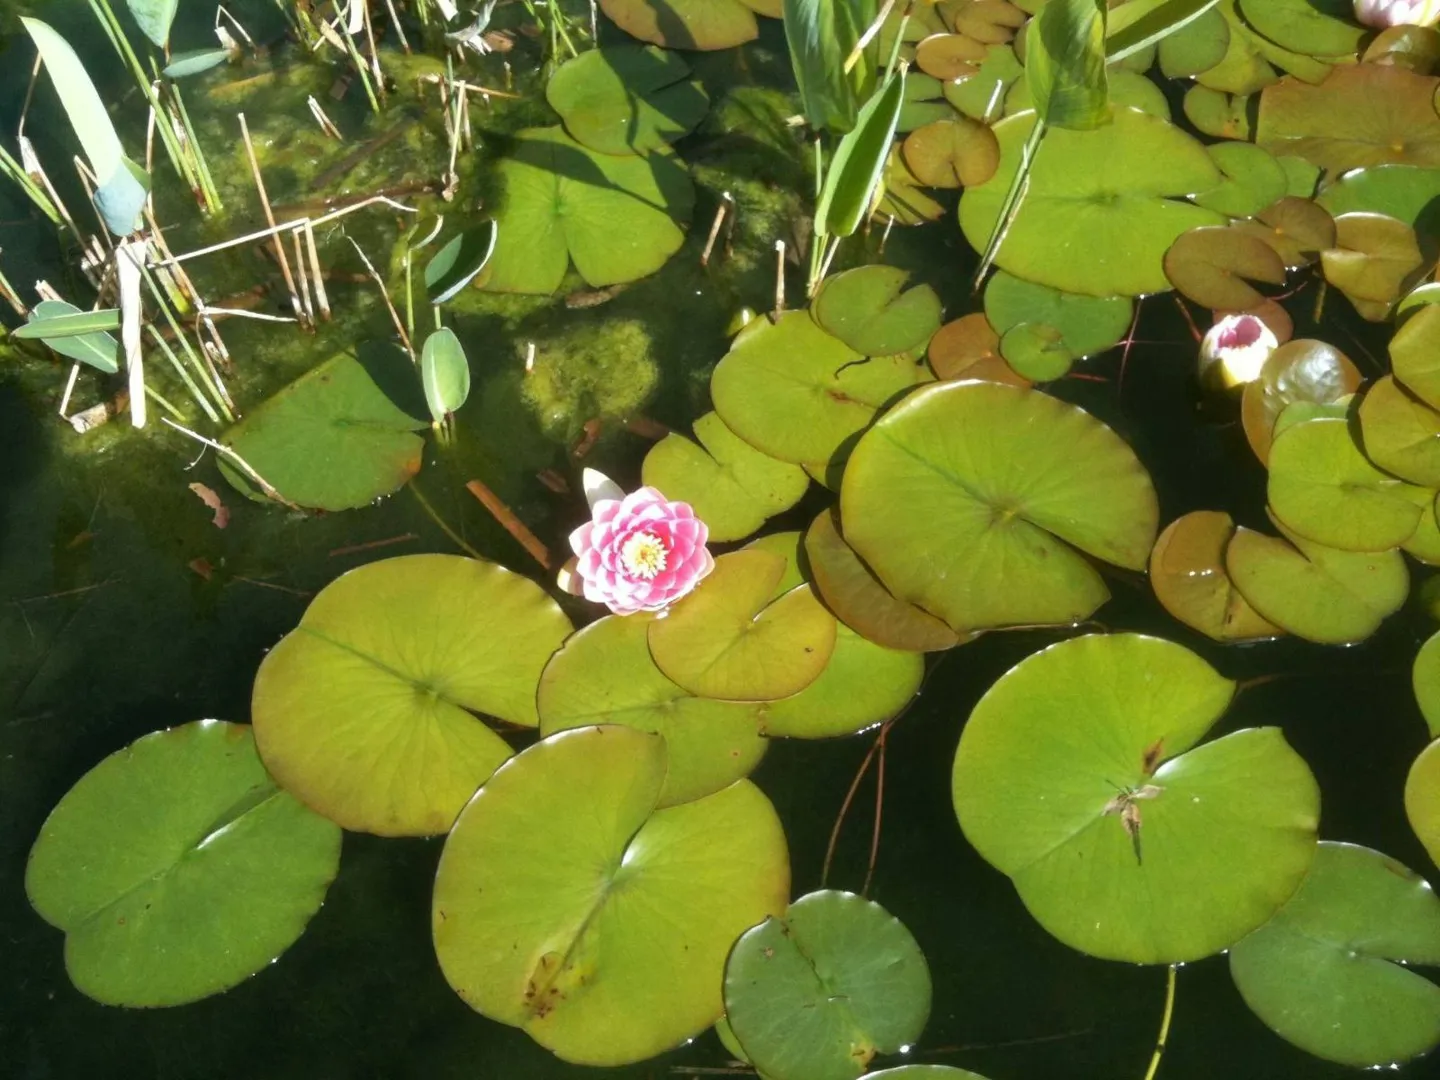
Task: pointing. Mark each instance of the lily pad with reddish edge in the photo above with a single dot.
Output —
(952, 153)
(1187, 572)
(1301, 370)
(969, 348)
(1214, 267)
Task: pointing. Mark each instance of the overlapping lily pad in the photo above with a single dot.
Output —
(969, 499)
(798, 393)
(1401, 434)
(331, 440)
(1313, 27)
(1102, 208)
(981, 96)
(1296, 228)
(178, 869)
(872, 312)
(1304, 370)
(951, 153)
(1187, 571)
(1415, 354)
(969, 348)
(732, 486)
(604, 675)
(1327, 973)
(1079, 776)
(817, 992)
(622, 99)
(1406, 192)
(732, 639)
(1214, 267)
(1086, 324)
(1253, 179)
(617, 217)
(690, 24)
(365, 710)
(1316, 592)
(568, 905)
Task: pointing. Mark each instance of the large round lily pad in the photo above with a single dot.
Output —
(689, 24)
(1187, 571)
(1316, 592)
(177, 868)
(568, 905)
(969, 499)
(816, 993)
(1362, 114)
(1326, 973)
(622, 99)
(617, 217)
(866, 309)
(732, 638)
(1079, 776)
(798, 393)
(732, 486)
(1102, 208)
(604, 675)
(331, 440)
(365, 710)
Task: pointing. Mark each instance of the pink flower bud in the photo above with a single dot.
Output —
(1383, 13)
(1235, 349)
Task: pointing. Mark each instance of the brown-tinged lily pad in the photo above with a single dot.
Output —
(1187, 572)
(1401, 433)
(1300, 370)
(1374, 257)
(1213, 267)
(1316, 592)
(1414, 48)
(1362, 114)
(952, 153)
(969, 348)
(904, 203)
(1298, 230)
(991, 21)
(950, 56)
(687, 24)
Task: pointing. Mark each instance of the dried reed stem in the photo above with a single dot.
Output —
(512, 524)
(385, 295)
(269, 216)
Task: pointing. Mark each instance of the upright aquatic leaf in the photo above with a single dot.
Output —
(1065, 64)
(1142, 23)
(445, 373)
(456, 264)
(78, 335)
(821, 34)
(859, 160)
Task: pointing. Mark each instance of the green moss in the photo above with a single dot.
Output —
(605, 371)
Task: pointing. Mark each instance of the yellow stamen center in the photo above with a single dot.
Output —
(643, 555)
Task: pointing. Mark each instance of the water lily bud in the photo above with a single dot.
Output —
(1383, 13)
(1235, 349)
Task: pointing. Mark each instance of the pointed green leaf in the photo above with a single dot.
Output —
(445, 373)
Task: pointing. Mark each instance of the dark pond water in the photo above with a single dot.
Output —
(107, 632)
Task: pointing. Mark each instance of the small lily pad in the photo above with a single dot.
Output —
(1087, 324)
(1036, 351)
(1296, 228)
(732, 486)
(565, 899)
(729, 639)
(982, 96)
(688, 24)
(621, 99)
(817, 992)
(365, 711)
(1187, 572)
(1221, 115)
(178, 869)
(604, 675)
(950, 56)
(798, 393)
(1303, 370)
(1313, 27)
(618, 217)
(867, 310)
(1422, 798)
(951, 153)
(331, 440)
(1000, 487)
(1374, 257)
(1326, 973)
(1316, 592)
(969, 348)
(1079, 776)
(1196, 47)
(1213, 267)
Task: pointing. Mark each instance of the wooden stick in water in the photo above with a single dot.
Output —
(384, 295)
(714, 233)
(270, 217)
(300, 262)
(512, 524)
(317, 274)
(779, 278)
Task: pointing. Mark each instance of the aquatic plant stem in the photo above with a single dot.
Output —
(190, 354)
(195, 393)
(440, 523)
(385, 295)
(844, 809)
(202, 167)
(879, 810)
(512, 524)
(1164, 1024)
(1011, 206)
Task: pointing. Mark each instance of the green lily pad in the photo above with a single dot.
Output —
(1196, 47)
(1374, 257)
(1401, 434)
(1037, 352)
(969, 499)
(1221, 115)
(817, 992)
(1253, 179)
(730, 639)
(1415, 354)
(952, 152)
(622, 99)
(867, 310)
(1303, 370)
(1087, 324)
(1187, 572)
(982, 96)
(1326, 973)
(1079, 776)
(1244, 68)
(1213, 267)
(1102, 208)
(924, 103)
(1319, 593)
(178, 869)
(1325, 489)
(788, 546)
(687, 24)
(364, 711)
(1422, 798)
(1128, 89)
(568, 905)
(969, 348)
(604, 675)
(732, 486)
(1362, 114)
(331, 440)
(851, 590)
(1313, 27)
(97, 349)
(798, 393)
(1405, 192)
(1425, 679)
(618, 218)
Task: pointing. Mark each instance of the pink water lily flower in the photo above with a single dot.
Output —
(1383, 13)
(638, 552)
(1235, 349)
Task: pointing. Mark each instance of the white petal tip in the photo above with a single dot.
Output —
(599, 486)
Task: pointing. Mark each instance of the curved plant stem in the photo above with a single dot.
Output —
(440, 523)
(1164, 1025)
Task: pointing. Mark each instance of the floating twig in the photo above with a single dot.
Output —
(317, 274)
(355, 549)
(714, 232)
(385, 295)
(243, 465)
(323, 119)
(269, 216)
(512, 524)
(779, 278)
